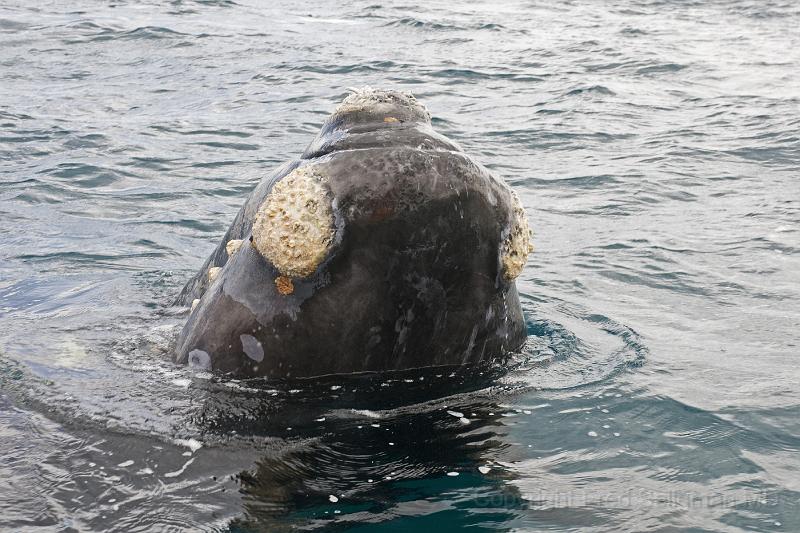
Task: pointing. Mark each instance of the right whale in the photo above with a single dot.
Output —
(384, 247)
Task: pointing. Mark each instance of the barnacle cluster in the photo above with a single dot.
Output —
(517, 242)
(294, 226)
(367, 98)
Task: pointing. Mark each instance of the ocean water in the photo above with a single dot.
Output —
(654, 144)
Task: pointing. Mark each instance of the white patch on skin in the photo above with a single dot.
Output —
(233, 246)
(252, 347)
(200, 360)
(194, 303)
(367, 98)
(293, 228)
(517, 242)
(213, 273)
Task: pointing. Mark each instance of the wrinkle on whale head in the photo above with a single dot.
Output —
(294, 226)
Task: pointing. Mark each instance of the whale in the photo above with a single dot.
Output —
(383, 247)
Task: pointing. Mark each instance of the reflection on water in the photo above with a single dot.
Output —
(654, 145)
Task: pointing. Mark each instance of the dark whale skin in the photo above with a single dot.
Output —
(412, 278)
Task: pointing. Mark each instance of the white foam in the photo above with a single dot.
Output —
(192, 444)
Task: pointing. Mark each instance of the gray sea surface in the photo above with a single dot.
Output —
(655, 145)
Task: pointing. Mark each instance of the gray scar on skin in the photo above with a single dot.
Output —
(384, 247)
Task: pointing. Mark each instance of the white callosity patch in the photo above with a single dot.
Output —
(233, 246)
(517, 242)
(367, 98)
(293, 228)
(195, 302)
(252, 348)
(213, 273)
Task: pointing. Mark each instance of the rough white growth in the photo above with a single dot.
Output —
(367, 98)
(233, 246)
(517, 243)
(293, 228)
(213, 273)
(194, 303)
